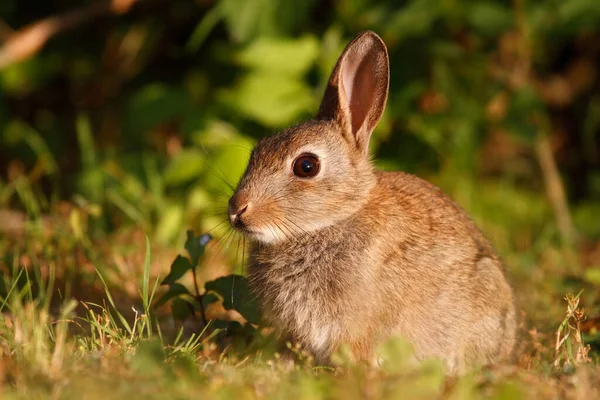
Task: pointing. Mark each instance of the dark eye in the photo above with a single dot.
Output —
(306, 165)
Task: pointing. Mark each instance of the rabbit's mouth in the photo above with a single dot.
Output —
(239, 220)
(242, 227)
(268, 234)
(252, 234)
(245, 230)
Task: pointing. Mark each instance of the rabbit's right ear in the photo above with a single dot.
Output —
(358, 88)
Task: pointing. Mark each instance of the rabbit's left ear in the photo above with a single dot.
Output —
(358, 89)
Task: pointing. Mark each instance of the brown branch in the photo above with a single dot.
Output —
(28, 41)
(554, 188)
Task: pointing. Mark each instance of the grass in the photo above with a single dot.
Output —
(78, 322)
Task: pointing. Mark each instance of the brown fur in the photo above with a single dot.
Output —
(356, 255)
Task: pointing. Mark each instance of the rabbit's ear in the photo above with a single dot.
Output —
(358, 88)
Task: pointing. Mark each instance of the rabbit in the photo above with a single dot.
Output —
(341, 253)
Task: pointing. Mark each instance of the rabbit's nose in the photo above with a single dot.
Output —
(236, 209)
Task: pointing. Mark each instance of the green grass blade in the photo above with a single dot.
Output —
(146, 297)
(146, 278)
(8, 294)
(112, 303)
(86, 142)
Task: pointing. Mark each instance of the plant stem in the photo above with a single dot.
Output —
(554, 188)
(199, 297)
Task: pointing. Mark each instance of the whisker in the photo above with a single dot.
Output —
(221, 244)
(214, 228)
(290, 235)
(274, 232)
(217, 212)
(233, 271)
(216, 192)
(237, 253)
(223, 177)
(243, 252)
(243, 147)
(300, 229)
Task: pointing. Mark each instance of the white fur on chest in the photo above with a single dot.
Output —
(304, 292)
(307, 317)
(320, 340)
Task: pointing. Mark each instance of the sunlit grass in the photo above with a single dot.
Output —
(117, 346)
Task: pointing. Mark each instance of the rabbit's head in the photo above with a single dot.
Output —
(315, 174)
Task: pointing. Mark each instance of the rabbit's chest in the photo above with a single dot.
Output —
(304, 297)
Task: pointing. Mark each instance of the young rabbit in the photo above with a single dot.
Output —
(343, 253)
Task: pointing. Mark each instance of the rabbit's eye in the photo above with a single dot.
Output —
(306, 165)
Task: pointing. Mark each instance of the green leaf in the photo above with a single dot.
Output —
(203, 29)
(29, 75)
(274, 100)
(524, 105)
(169, 224)
(195, 245)
(236, 296)
(214, 133)
(527, 99)
(490, 18)
(208, 299)
(175, 290)
(154, 104)
(592, 275)
(281, 56)
(585, 215)
(179, 267)
(579, 12)
(248, 19)
(181, 309)
(184, 166)
(415, 19)
(227, 166)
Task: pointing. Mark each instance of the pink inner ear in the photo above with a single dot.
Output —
(358, 79)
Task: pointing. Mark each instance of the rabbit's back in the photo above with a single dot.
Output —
(455, 300)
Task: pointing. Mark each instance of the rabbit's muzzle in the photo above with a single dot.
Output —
(236, 209)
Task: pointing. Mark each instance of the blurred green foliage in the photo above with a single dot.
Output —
(149, 116)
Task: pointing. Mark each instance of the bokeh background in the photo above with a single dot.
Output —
(125, 118)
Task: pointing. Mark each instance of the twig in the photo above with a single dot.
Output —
(554, 188)
(29, 40)
(569, 335)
